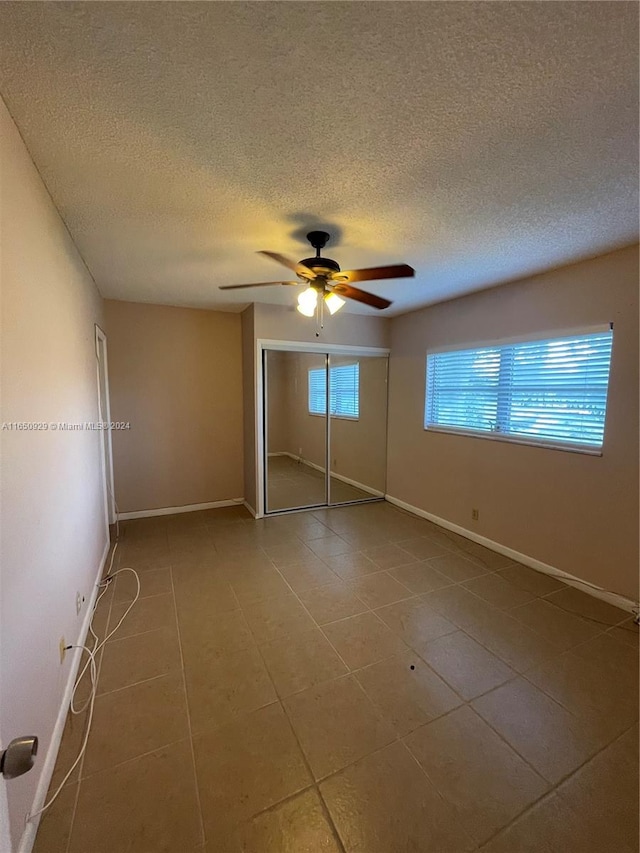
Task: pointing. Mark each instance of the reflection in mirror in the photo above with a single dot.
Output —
(358, 427)
(295, 439)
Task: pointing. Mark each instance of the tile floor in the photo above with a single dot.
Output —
(293, 484)
(351, 679)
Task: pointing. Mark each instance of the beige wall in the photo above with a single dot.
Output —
(359, 448)
(278, 366)
(52, 494)
(294, 430)
(307, 434)
(576, 512)
(176, 375)
(287, 324)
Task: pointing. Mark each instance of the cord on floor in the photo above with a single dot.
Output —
(91, 664)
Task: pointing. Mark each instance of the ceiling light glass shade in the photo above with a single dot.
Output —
(333, 302)
(307, 302)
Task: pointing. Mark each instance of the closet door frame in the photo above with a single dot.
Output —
(263, 344)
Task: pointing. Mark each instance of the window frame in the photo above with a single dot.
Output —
(518, 438)
(327, 411)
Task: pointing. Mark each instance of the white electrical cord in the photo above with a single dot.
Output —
(86, 736)
(91, 662)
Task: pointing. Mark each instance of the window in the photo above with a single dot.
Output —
(542, 392)
(344, 382)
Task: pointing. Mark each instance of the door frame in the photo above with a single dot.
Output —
(5, 834)
(104, 409)
(263, 344)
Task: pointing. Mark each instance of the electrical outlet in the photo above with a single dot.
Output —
(79, 601)
(475, 514)
(63, 649)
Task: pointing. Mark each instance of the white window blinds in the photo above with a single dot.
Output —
(548, 391)
(344, 394)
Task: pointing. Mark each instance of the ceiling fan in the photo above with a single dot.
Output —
(325, 279)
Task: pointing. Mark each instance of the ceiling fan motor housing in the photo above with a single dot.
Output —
(321, 266)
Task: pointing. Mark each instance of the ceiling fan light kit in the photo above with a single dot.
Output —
(333, 302)
(327, 283)
(308, 302)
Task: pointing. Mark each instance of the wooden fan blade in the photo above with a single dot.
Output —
(299, 269)
(373, 273)
(360, 295)
(256, 284)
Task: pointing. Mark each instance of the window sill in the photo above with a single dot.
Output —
(513, 439)
(334, 417)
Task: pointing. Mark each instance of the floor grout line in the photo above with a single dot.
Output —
(300, 749)
(453, 583)
(133, 758)
(467, 703)
(448, 802)
(136, 683)
(97, 681)
(347, 674)
(186, 701)
(290, 533)
(555, 786)
(143, 633)
(136, 635)
(73, 816)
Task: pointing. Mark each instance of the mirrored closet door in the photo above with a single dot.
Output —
(295, 430)
(357, 427)
(325, 428)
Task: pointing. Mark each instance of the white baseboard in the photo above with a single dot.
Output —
(596, 591)
(250, 508)
(173, 510)
(29, 835)
(373, 492)
(335, 476)
(343, 479)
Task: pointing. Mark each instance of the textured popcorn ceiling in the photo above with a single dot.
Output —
(477, 142)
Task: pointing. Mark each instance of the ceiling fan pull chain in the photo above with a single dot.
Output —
(319, 316)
